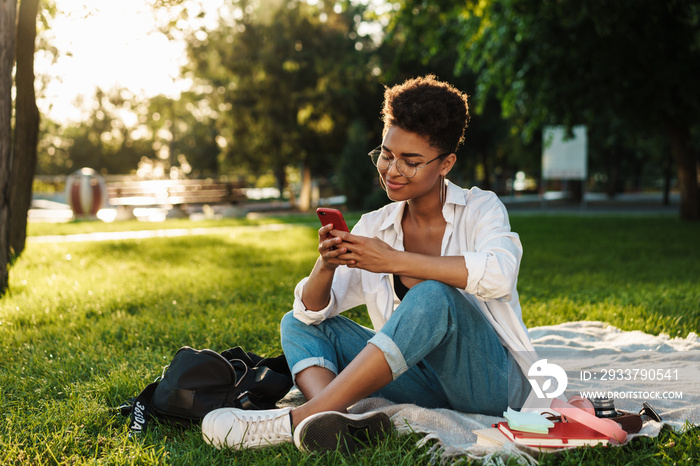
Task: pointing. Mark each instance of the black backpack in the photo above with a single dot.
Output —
(199, 381)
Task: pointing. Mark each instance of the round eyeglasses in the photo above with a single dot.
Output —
(383, 159)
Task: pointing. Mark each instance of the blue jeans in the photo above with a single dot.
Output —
(442, 351)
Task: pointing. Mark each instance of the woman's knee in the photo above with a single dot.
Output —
(290, 325)
(434, 294)
(432, 288)
(287, 320)
(439, 301)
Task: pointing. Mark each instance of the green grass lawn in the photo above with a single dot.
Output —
(86, 326)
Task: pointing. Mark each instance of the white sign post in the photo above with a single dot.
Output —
(565, 158)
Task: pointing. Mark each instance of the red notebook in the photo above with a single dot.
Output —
(563, 434)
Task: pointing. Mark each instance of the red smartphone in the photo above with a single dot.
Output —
(334, 216)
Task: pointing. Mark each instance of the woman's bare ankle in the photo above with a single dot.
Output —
(299, 414)
(302, 412)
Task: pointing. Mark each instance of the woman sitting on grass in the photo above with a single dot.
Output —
(437, 270)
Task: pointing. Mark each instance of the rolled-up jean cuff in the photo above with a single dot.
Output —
(308, 362)
(392, 354)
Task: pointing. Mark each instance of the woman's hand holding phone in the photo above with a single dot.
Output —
(371, 254)
(329, 246)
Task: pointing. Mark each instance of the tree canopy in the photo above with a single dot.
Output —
(618, 66)
(286, 79)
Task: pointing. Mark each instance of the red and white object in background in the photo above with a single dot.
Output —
(86, 192)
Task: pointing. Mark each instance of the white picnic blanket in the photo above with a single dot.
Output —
(587, 351)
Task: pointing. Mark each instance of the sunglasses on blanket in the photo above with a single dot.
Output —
(647, 410)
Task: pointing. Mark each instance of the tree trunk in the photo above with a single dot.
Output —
(668, 173)
(306, 185)
(575, 188)
(283, 185)
(8, 13)
(613, 163)
(697, 170)
(26, 127)
(687, 173)
(486, 182)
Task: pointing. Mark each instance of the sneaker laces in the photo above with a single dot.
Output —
(264, 427)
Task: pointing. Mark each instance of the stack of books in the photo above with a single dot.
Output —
(562, 435)
(491, 437)
(533, 430)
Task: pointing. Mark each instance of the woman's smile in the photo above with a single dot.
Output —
(393, 184)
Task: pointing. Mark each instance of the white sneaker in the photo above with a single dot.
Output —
(238, 428)
(348, 433)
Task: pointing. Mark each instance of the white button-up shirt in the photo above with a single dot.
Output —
(477, 229)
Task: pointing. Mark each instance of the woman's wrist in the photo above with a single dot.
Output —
(324, 267)
(399, 262)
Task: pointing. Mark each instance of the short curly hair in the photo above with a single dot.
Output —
(434, 109)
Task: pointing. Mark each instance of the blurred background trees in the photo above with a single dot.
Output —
(286, 80)
(628, 70)
(291, 86)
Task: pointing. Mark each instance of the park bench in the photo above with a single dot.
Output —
(175, 193)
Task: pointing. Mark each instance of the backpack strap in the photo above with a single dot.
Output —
(248, 401)
(141, 410)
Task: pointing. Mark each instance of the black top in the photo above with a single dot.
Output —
(399, 288)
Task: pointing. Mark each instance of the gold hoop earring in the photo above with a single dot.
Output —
(443, 190)
(382, 183)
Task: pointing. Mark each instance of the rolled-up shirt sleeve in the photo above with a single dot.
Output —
(494, 262)
(346, 293)
(305, 315)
